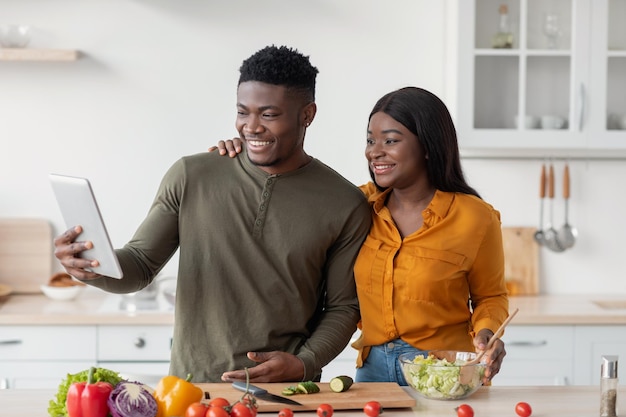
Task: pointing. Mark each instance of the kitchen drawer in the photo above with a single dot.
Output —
(134, 343)
(537, 355)
(539, 342)
(38, 375)
(33, 343)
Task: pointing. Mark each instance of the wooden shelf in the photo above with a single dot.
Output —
(28, 54)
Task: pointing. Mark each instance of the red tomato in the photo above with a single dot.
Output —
(196, 409)
(216, 411)
(373, 409)
(325, 410)
(285, 412)
(219, 402)
(464, 410)
(240, 409)
(523, 409)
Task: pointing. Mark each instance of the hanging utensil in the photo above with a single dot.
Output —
(539, 234)
(550, 235)
(567, 234)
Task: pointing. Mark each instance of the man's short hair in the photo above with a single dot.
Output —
(281, 65)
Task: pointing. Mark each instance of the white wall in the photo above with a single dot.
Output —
(158, 81)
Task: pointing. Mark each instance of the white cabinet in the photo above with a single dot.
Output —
(559, 354)
(140, 353)
(592, 342)
(582, 79)
(41, 356)
(537, 355)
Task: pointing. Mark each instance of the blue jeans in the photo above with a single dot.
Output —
(382, 363)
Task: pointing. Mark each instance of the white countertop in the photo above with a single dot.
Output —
(91, 307)
(547, 401)
(98, 307)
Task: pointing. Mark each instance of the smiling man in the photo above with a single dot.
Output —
(267, 240)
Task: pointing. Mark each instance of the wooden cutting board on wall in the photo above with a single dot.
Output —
(521, 260)
(25, 253)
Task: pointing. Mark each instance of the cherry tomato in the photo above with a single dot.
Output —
(216, 411)
(196, 409)
(219, 402)
(325, 410)
(523, 409)
(285, 412)
(240, 409)
(373, 409)
(464, 410)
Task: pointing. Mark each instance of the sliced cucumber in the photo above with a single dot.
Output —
(290, 390)
(308, 387)
(341, 383)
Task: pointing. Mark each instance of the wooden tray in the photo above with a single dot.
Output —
(389, 394)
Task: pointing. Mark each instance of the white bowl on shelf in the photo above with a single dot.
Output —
(62, 293)
(14, 36)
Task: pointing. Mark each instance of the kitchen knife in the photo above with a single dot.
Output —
(262, 393)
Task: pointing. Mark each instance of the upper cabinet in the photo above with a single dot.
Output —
(537, 76)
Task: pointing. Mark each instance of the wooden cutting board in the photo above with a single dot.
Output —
(25, 253)
(389, 394)
(521, 260)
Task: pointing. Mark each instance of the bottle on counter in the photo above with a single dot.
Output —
(608, 386)
(504, 37)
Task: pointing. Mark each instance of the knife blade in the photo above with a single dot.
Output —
(263, 394)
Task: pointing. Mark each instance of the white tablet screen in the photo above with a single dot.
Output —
(79, 207)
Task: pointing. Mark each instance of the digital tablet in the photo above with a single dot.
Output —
(79, 207)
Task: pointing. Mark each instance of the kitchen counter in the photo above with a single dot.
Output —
(97, 307)
(552, 401)
(91, 307)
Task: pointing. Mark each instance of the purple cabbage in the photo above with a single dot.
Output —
(132, 399)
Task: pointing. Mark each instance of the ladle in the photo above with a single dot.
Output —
(539, 234)
(466, 373)
(550, 235)
(567, 234)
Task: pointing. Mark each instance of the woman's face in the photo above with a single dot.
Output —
(394, 154)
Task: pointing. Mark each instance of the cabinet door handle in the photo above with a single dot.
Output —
(581, 106)
(527, 343)
(11, 342)
(140, 342)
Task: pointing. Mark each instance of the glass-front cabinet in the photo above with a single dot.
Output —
(537, 75)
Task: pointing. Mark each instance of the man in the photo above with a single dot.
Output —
(267, 241)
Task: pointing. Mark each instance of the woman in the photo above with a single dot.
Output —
(430, 274)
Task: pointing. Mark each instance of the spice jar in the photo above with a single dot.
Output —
(608, 386)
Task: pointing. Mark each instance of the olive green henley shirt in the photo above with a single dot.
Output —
(265, 262)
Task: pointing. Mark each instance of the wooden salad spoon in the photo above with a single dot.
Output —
(466, 373)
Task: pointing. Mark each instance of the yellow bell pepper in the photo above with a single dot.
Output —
(173, 395)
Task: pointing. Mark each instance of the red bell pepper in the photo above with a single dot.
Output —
(86, 399)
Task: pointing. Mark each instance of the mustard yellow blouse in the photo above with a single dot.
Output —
(436, 287)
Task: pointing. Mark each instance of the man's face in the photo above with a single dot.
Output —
(271, 123)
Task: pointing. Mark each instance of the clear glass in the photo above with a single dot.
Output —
(608, 397)
(552, 29)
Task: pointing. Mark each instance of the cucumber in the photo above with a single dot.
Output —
(341, 383)
(308, 387)
(290, 390)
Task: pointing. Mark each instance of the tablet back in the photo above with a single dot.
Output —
(79, 207)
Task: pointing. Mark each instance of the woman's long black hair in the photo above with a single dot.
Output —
(428, 118)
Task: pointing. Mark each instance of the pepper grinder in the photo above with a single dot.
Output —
(608, 386)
